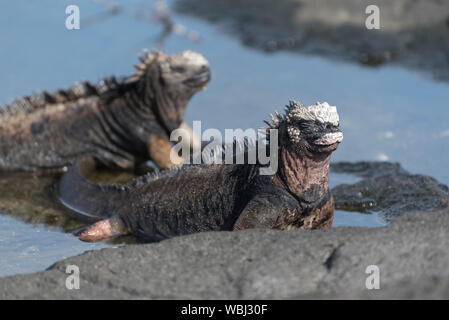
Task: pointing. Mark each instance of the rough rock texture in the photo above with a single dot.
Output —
(411, 253)
(413, 33)
(388, 189)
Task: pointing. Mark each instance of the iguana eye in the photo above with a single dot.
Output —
(178, 69)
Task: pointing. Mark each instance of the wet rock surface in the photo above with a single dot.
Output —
(413, 33)
(388, 189)
(411, 254)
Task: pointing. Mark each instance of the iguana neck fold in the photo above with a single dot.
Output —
(167, 107)
(305, 174)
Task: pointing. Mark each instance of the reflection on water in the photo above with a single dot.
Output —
(345, 218)
(30, 199)
(385, 113)
(35, 231)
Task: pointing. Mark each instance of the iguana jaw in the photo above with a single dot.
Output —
(187, 69)
(326, 143)
(199, 81)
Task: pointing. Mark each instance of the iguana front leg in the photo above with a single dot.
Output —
(270, 212)
(194, 140)
(159, 148)
(261, 212)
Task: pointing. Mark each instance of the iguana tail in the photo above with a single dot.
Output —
(87, 201)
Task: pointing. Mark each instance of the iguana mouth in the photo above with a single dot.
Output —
(199, 80)
(329, 139)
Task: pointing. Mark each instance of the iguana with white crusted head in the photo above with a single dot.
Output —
(210, 197)
(120, 123)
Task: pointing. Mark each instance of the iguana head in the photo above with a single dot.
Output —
(167, 82)
(314, 129)
(188, 70)
(307, 137)
(177, 76)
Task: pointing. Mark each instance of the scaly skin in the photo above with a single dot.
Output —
(216, 197)
(119, 123)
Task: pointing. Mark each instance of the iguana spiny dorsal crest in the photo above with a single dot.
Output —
(219, 196)
(119, 122)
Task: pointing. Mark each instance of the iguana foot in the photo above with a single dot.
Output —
(103, 230)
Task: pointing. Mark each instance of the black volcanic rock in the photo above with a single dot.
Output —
(411, 254)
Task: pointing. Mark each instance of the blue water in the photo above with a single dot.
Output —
(386, 114)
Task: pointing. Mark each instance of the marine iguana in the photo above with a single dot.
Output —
(119, 122)
(211, 197)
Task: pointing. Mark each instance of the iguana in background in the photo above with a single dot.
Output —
(120, 123)
(211, 197)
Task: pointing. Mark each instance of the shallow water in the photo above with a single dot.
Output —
(386, 114)
(26, 247)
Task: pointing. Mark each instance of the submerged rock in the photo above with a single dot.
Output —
(388, 189)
